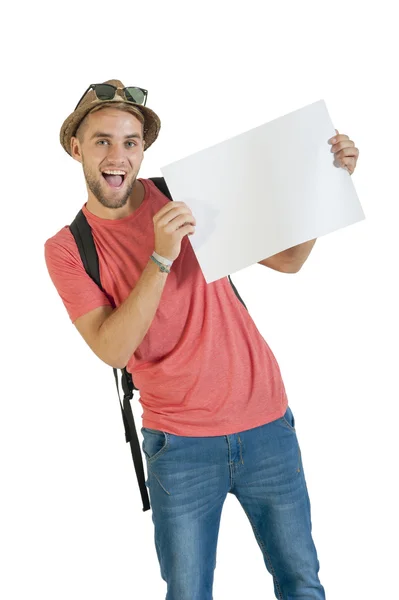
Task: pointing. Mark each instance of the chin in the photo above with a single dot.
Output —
(113, 203)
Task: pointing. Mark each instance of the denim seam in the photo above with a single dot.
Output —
(230, 463)
(242, 461)
(299, 459)
(161, 451)
(260, 542)
(290, 427)
(157, 478)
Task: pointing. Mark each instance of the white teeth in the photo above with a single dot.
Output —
(115, 172)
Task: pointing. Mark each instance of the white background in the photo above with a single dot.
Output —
(71, 518)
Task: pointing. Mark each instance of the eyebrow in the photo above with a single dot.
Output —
(101, 134)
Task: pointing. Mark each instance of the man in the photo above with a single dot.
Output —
(216, 418)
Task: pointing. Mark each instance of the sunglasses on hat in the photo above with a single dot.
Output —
(106, 91)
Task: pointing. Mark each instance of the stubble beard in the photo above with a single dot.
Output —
(112, 199)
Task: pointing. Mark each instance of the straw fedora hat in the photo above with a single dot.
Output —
(152, 123)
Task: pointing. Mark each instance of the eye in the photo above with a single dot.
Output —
(100, 141)
(134, 143)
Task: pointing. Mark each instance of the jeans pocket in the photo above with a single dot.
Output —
(155, 443)
(288, 419)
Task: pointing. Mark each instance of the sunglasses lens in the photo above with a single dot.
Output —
(135, 94)
(105, 91)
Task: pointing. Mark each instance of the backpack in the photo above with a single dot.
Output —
(81, 231)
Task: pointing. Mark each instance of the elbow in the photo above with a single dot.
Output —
(118, 364)
(111, 362)
(294, 266)
(122, 362)
(292, 269)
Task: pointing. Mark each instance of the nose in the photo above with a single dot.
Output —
(116, 154)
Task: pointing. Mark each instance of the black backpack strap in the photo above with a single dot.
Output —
(131, 433)
(82, 233)
(161, 185)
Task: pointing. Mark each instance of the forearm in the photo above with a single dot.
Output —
(123, 331)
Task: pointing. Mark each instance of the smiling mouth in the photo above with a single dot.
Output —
(114, 181)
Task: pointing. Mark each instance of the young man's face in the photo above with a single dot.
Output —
(112, 141)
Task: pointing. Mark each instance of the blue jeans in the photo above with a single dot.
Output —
(188, 481)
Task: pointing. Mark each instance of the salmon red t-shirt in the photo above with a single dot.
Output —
(203, 368)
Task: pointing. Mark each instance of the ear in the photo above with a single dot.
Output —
(76, 151)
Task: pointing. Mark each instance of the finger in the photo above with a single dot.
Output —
(350, 151)
(349, 164)
(171, 207)
(340, 145)
(338, 138)
(173, 215)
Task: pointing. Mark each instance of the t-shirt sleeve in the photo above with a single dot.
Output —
(75, 287)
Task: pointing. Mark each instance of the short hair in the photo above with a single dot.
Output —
(124, 106)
